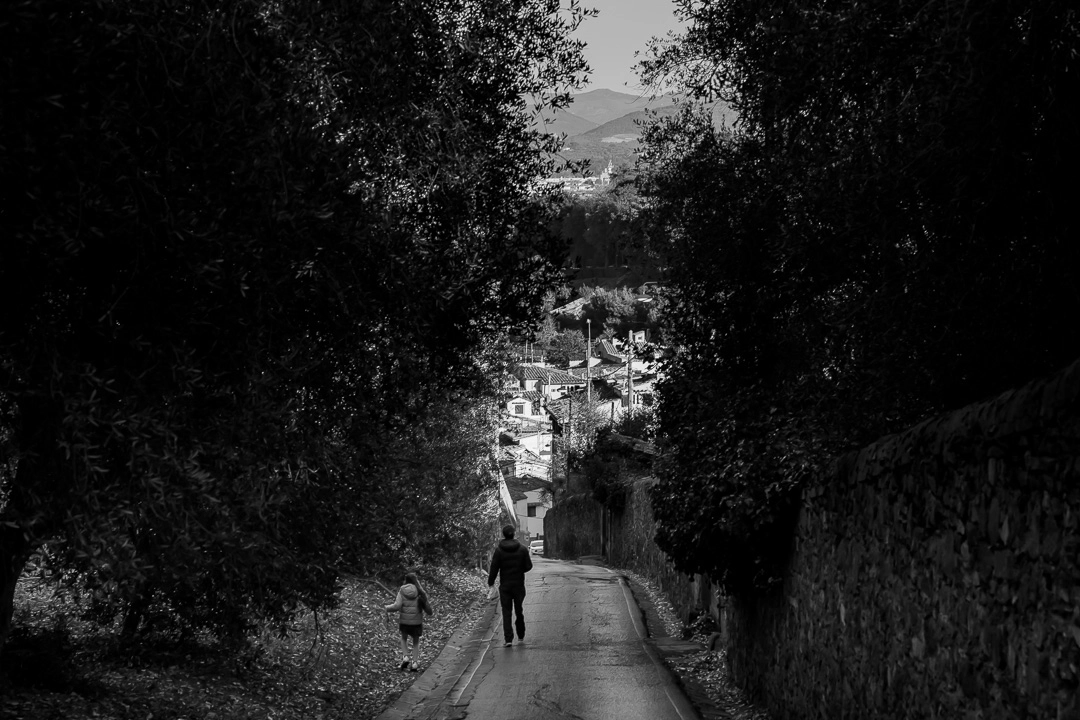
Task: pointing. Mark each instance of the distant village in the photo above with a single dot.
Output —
(538, 400)
(582, 185)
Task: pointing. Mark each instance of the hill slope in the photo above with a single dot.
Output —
(564, 121)
(601, 106)
(616, 139)
(629, 124)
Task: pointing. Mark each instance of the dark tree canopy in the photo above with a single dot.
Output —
(887, 233)
(251, 256)
(605, 236)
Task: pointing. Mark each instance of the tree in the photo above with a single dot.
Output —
(547, 332)
(613, 311)
(251, 243)
(889, 214)
(603, 231)
(566, 345)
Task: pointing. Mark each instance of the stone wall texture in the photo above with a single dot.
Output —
(934, 574)
(632, 546)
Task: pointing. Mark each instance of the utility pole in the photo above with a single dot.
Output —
(567, 431)
(588, 362)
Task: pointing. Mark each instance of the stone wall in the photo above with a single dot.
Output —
(632, 546)
(935, 573)
(578, 525)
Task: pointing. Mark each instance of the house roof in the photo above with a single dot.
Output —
(559, 407)
(518, 486)
(547, 376)
(516, 452)
(580, 360)
(528, 424)
(529, 372)
(530, 395)
(609, 349)
(571, 308)
(532, 482)
(561, 377)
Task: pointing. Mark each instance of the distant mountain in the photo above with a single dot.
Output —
(601, 106)
(564, 121)
(616, 140)
(625, 126)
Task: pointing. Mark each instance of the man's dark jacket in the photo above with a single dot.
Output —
(512, 560)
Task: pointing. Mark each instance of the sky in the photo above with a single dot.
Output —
(622, 27)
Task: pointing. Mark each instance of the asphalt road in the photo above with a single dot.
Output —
(585, 657)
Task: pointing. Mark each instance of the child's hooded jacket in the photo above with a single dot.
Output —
(409, 606)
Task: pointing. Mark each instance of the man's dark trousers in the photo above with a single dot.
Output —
(509, 596)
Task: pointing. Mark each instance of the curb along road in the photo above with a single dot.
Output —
(430, 697)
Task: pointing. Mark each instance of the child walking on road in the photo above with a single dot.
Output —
(411, 604)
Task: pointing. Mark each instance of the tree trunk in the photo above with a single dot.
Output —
(14, 553)
(26, 519)
(134, 613)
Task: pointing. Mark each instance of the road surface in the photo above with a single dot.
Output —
(585, 657)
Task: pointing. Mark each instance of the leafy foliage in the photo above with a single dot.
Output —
(603, 231)
(253, 246)
(884, 235)
(564, 346)
(639, 423)
(604, 480)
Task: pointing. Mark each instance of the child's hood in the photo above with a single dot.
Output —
(409, 591)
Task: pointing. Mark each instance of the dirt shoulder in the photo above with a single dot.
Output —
(702, 673)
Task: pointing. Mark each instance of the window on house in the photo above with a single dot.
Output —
(532, 510)
(519, 409)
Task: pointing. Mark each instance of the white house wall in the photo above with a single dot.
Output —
(535, 442)
(534, 526)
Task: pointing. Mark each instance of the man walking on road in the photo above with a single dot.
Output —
(510, 562)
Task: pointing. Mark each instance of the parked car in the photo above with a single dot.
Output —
(536, 547)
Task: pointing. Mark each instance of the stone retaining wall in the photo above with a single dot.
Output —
(935, 573)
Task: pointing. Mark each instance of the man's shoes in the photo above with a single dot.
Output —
(414, 667)
(508, 643)
(404, 662)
